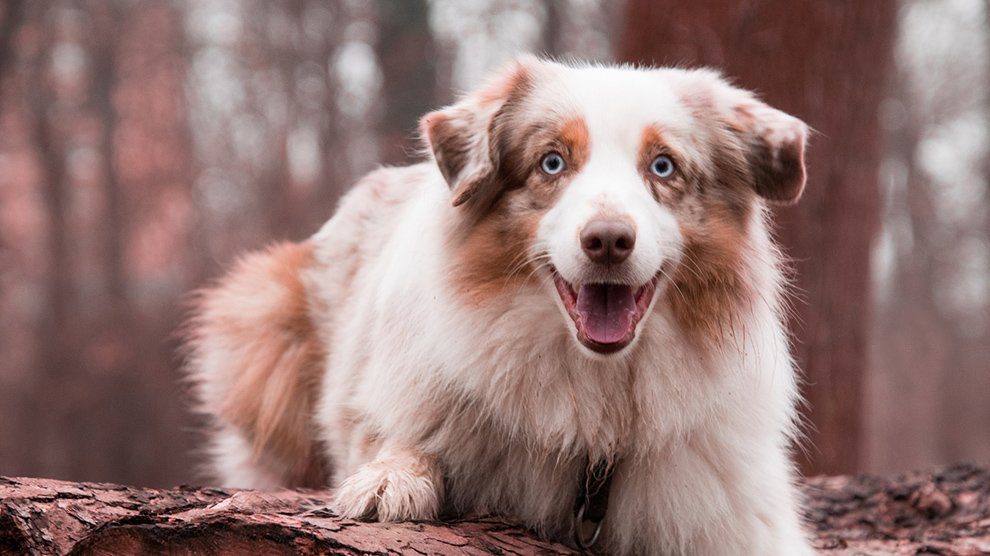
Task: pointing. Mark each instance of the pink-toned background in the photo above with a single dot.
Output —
(145, 143)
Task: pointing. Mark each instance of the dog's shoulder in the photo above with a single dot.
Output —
(365, 220)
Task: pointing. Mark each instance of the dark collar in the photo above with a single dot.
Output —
(592, 502)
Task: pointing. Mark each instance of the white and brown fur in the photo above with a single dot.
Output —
(414, 355)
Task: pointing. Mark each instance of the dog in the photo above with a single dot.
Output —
(572, 314)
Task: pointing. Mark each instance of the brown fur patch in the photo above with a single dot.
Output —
(256, 324)
(712, 202)
(576, 140)
(709, 287)
(492, 258)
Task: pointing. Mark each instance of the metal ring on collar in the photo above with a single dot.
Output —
(582, 542)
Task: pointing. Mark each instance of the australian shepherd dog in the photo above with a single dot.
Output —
(571, 313)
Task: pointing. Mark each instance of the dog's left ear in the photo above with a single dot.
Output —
(463, 137)
(774, 142)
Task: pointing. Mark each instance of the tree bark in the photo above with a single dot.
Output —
(47, 516)
(825, 62)
(946, 511)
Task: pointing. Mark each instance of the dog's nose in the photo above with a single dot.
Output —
(608, 241)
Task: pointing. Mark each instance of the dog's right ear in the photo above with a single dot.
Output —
(772, 142)
(463, 137)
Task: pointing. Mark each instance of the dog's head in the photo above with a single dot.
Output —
(605, 185)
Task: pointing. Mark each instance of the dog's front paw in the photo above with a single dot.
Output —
(400, 487)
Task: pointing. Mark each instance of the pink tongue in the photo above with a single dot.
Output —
(606, 311)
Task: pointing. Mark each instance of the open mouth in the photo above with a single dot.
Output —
(605, 315)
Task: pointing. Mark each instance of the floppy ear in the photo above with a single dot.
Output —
(773, 140)
(776, 142)
(461, 137)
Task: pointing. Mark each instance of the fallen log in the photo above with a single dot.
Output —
(946, 511)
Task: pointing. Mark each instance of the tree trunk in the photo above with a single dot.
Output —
(825, 62)
(55, 337)
(12, 14)
(408, 59)
(104, 83)
(945, 512)
(914, 341)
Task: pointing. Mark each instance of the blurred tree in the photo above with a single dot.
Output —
(408, 60)
(103, 83)
(913, 333)
(11, 14)
(41, 100)
(98, 171)
(50, 101)
(825, 62)
(553, 28)
(931, 348)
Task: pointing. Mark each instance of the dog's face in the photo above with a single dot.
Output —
(610, 187)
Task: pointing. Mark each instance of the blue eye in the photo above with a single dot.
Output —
(552, 164)
(662, 166)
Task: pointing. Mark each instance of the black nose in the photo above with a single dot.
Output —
(608, 241)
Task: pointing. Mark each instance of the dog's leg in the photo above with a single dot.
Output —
(400, 484)
(705, 500)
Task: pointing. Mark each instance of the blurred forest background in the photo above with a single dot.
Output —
(145, 143)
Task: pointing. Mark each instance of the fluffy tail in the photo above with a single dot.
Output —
(255, 360)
